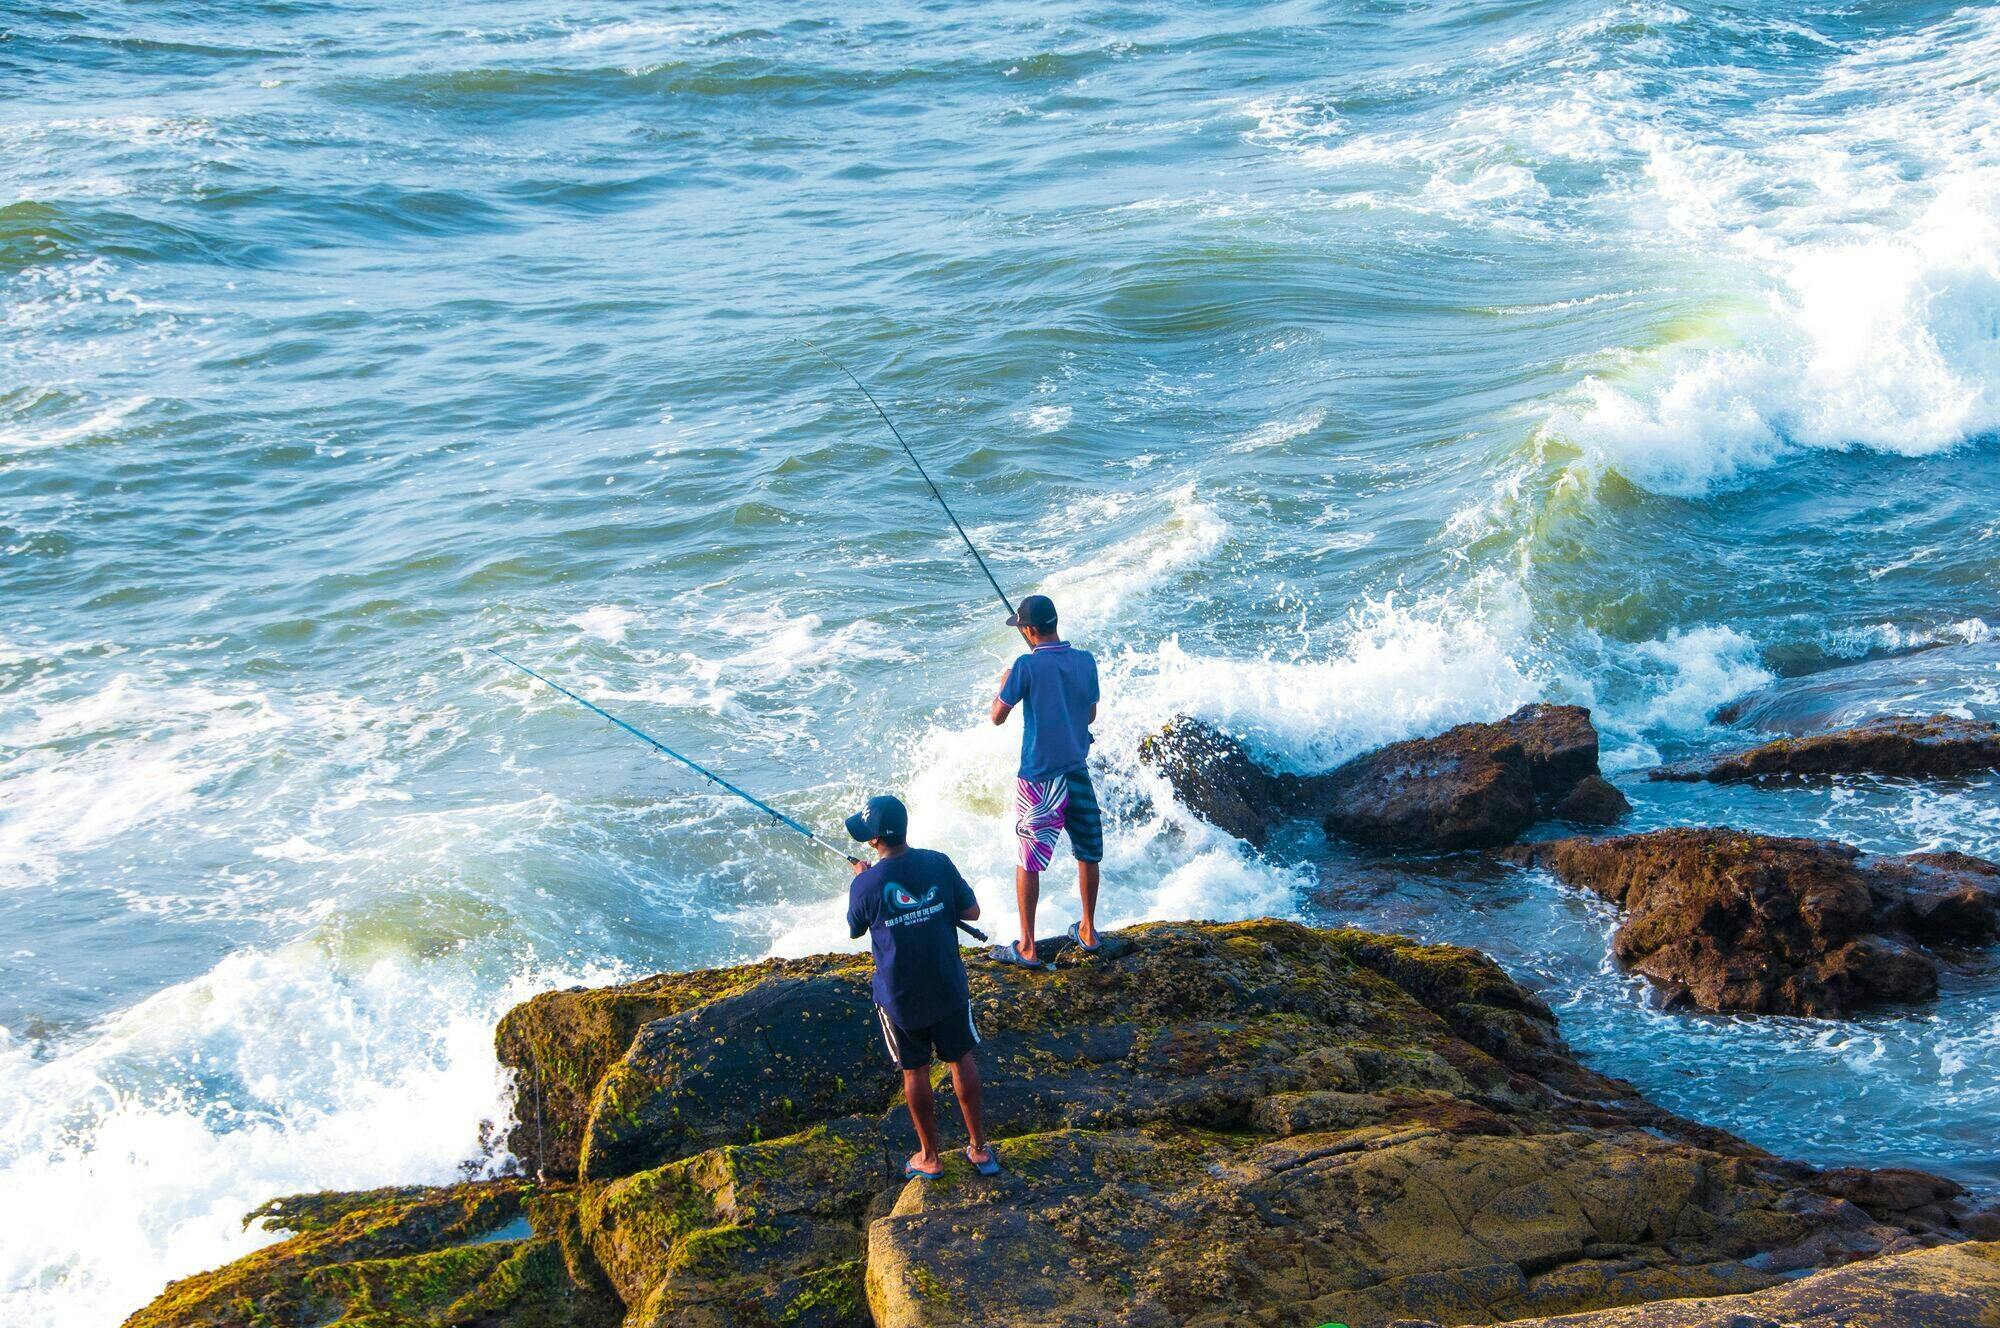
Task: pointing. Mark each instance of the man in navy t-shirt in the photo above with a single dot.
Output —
(908, 902)
(1055, 686)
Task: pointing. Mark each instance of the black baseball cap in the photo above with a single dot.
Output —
(1036, 611)
(884, 818)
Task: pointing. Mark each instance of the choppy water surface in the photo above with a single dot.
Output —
(1344, 371)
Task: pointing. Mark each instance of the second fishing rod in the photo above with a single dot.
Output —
(702, 770)
(1013, 617)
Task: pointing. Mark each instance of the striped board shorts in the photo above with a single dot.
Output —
(1044, 808)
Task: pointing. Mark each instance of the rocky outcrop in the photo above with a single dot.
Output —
(1475, 786)
(1251, 1122)
(1954, 1287)
(1941, 747)
(1730, 921)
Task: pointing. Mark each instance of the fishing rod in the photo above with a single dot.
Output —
(908, 452)
(703, 771)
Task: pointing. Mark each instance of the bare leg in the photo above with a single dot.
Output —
(923, 1115)
(1086, 885)
(965, 1085)
(1027, 893)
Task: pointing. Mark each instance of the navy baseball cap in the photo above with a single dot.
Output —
(1036, 611)
(884, 818)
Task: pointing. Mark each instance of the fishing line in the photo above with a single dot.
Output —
(703, 771)
(907, 451)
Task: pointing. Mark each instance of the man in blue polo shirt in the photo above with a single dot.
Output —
(908, 902)
(1055, 686)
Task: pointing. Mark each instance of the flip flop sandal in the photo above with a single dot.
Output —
(991, 1166)
(1076, 934)
(1010, 953)
(912, 1172)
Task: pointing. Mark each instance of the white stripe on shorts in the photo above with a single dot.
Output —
(888, 1038)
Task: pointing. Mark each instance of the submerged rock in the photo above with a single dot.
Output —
(1251, 1122)
(1728, 921)
(1474, 786)
(1941, 747)
(1914, 682)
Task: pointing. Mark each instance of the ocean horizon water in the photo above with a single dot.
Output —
(1342, 371)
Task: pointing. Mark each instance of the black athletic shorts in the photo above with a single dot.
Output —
(910, 1048)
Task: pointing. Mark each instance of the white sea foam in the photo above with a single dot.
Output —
(131, 1152)
(1094, 594)
(1871, 295)
(777, 643)
(633, 32)
(1275, 432)
(1701, 667)
(1875, 340)
(83, 772)
(606, 622)
(1299, 125)
(1843, 240)
(1048, 419)
(85, 426)
(1896, 637)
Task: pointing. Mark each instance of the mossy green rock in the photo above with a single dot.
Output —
(1247, 1123)
(560, 1044)
(496, 1253)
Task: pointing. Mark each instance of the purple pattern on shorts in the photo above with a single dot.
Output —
(1040, 808)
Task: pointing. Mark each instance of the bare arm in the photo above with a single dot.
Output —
(1002, 709)
(971, 914)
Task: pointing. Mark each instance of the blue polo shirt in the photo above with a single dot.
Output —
(909, 907)
(1055, 685)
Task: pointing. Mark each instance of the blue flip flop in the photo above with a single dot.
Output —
(991, 1166)
(1076, 934)
(1010, 953)
(911, 1172)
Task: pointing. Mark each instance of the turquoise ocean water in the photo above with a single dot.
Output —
(1344, 371)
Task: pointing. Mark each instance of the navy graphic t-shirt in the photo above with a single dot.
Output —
(909, 905)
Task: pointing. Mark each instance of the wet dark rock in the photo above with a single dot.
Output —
(1215, 777)
(1594, 801)
(1886, 1189)
(1727, 921)
(1249, 1122)
(1940, 747)
(1474, 786)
